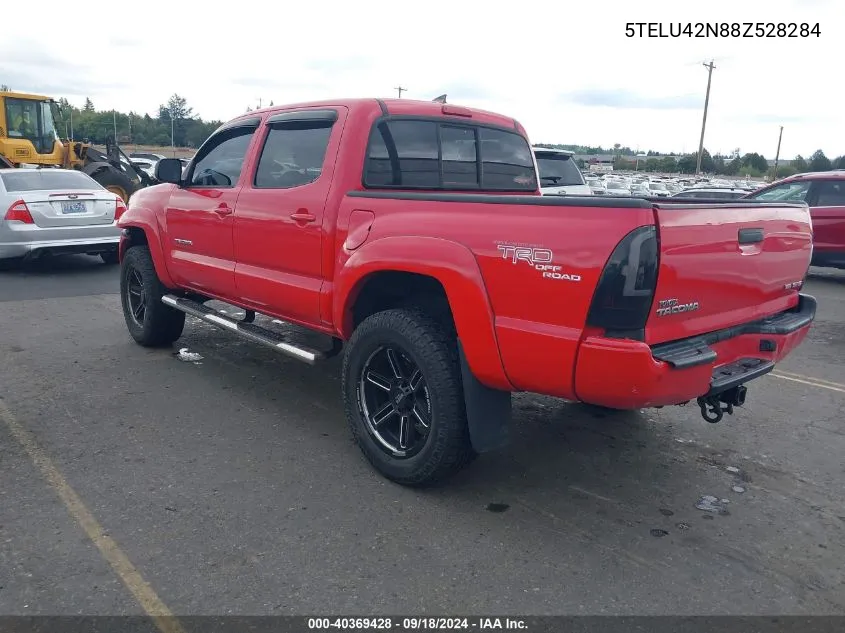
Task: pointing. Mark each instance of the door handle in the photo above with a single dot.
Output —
(302, 215)
(223, 210)
(750, 236)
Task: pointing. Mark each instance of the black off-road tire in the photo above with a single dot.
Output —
(161, 325)
(433, 349)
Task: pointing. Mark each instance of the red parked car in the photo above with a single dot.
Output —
(414, 237)
(824, 192)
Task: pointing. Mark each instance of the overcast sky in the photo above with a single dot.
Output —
(569, 75)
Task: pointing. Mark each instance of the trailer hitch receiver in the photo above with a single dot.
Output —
(715, 406)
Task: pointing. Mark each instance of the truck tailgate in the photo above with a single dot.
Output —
(722, 265)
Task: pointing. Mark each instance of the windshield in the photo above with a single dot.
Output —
(793, 191)
(614, 185)
(47, 179)
(31, 120)
(658, 186)
(558, 170)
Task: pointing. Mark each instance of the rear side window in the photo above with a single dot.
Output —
(47, 179)
(506, 161)
(404, 153)
(417, 154)
(831, 193)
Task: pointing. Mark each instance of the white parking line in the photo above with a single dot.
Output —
(807, 380)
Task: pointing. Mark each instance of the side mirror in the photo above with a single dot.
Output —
(169, 170)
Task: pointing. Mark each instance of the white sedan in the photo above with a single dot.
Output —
(57, 211)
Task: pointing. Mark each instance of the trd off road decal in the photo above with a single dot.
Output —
(540, 259)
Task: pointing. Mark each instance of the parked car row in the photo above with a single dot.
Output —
(560, 175)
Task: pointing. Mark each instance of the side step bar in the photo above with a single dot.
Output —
(250, 331)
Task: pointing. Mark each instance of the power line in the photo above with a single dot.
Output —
(709, 68)
(777, 155)
(400, 90)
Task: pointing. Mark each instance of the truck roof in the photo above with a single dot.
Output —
(552, 150)
(833, 174)
(400, 107)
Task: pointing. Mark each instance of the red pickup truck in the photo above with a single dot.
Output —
(824, 192)
(414, 237)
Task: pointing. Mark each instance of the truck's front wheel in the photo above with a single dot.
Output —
(404, 397)
(150, 322)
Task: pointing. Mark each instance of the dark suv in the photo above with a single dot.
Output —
(824, 191)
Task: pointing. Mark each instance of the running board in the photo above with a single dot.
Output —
(249, 331)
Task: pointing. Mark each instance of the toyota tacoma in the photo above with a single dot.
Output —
(413, 236)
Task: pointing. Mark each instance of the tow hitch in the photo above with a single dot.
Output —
(714, 407)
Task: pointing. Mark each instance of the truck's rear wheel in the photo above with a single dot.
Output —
(150, 322)
(404, 398)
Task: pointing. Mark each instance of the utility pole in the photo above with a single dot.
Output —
(777, 155)
(71, 122)
(172, 135)
(114, 112)
(709, 68)
(400, 90)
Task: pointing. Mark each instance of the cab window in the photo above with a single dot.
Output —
(428, 154)
(219, 163)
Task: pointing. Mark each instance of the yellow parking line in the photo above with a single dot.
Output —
(110, 550)
(812, 382)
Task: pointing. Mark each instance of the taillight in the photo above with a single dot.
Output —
(625, 292)
(19, 212)
(119, 209)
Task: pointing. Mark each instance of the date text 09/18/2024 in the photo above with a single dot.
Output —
(722, 29)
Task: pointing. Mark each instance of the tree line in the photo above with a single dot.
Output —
(188, 129)
(735, 164)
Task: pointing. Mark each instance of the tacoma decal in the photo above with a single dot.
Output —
(666, 307)
(540, 259)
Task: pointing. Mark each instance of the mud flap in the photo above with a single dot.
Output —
(488, 411)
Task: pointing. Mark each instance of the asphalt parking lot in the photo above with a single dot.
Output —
(131, 480)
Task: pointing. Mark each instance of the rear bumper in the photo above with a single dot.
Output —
(77, 239)
(625, 374)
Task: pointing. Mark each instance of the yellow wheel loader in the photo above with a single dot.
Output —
(28, 138)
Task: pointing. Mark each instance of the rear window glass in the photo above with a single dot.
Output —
(417, 154)
(558, 170)
(47, 179)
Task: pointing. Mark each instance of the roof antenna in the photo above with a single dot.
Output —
(440, 99)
